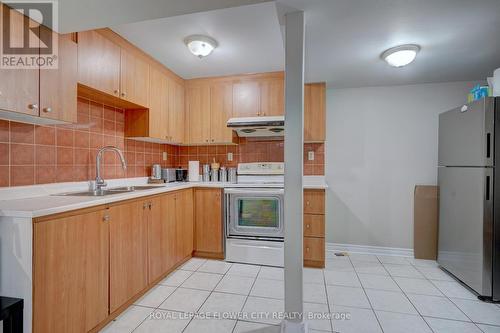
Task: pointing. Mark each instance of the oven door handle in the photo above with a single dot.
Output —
(266, 191)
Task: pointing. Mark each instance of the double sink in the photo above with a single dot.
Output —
(109, 191)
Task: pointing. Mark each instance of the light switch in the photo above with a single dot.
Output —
(310, 155)
(164, 155)
(229, 156)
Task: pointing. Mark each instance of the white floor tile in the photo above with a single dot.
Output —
(433, 306)
(274, 273)
(392, 322)
(393, 260)
(403, 271)
(339, 265)
(128, 320)
(215, 266)
(202, 280)
(354, 320)
(435, 273)
(451, 326)
(422, 262)
(314, 293)
(176, 278)
(248, 327)
(185, 300)
(417, 286)
(264, 310)
(155, 296)
(380, 282)
(193, 264)
(489, 328)
(348, 279)
(390, 301)
(454, 289)
(164, 321)
(210, 326)
(268, 288)
(244, 270)
(479, 312)
(370, 268)
(363, 257)
(217, 304)
(347, 296)
(235, 284)
(313, 275)
(316, 316)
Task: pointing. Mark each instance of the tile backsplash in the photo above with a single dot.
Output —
(32, 154)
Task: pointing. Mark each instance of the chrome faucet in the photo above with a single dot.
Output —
(99, 182)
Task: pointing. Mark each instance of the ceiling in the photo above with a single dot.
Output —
(344, 40)
(249, 39)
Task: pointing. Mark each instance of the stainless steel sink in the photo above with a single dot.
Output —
(109, 191)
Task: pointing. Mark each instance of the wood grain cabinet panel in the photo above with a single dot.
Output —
(314, 112)
(314, 249)
(314, 225)
(128, 251)
(159, 238)
(246, 99)
(198, 112)
(184, 224)
(272, 97)
(208, 222)
(18, 87)
(314, 202)
(176, 112)
(134, 78)
(221, 109)
(70, 276)
(99, 63)
(58, 87)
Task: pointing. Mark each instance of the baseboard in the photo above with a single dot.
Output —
(366, 249)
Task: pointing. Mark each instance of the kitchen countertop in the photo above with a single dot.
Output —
(39, 200)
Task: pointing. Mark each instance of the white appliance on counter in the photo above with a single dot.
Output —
(254, 215)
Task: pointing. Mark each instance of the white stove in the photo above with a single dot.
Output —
(254, 216)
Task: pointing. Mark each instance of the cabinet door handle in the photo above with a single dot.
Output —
(308, 203)
(116, 91)
(150, 204)
(307, 249)
(123, 94)
(144, 205)
(105, 218)
(48, 110)
(308, 226)
(33, 106)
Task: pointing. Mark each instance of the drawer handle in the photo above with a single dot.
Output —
(308, 226)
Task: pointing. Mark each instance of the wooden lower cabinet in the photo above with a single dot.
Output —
(314, 228)
(128, 251)
(184, 224)
(161, 236)
(70, 272)
(208, 223)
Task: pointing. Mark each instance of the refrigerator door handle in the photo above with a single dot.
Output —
(488, 188)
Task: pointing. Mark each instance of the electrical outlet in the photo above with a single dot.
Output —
(310, 155)
(229, 156)
(164, 156)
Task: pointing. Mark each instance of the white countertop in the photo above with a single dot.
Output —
(39, 200)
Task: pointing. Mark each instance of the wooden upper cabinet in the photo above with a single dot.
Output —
(18, 87)
(272, 97)
(70, 273)
(208, 222)
(198, 112)
(246, 99)
(58, 87)
(98, 62)
(221, 109)
(128, 252)
(158, 106)
(176, 111)
(134, 78)
(314, 112)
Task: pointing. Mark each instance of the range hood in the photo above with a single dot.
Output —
(258, 126)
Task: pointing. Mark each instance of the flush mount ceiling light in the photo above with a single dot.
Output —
(200, 45)
(400, 56)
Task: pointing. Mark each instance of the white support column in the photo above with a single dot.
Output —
(294, 146)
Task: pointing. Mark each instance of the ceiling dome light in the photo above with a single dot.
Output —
(200, 45)
(402, 55)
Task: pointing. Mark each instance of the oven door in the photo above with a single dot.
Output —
(254, 213)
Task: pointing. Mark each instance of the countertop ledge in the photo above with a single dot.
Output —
(42, 200)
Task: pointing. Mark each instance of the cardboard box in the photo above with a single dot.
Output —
(425, 222)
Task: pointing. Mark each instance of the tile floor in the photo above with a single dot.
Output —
(364, 293)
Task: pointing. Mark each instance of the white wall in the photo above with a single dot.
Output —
(381, 141)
